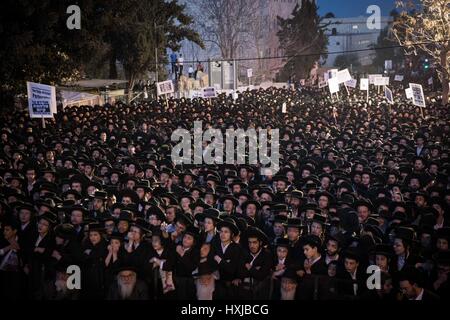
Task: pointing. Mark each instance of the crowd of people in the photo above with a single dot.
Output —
(360, 184)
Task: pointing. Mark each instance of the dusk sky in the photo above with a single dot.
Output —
(352, 8)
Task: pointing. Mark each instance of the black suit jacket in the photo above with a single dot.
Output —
(230, 266)
(261, 266)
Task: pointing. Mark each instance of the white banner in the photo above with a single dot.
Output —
(378, 81)
(388, 64)
(363, 84)
(351, 83)
(388, 95)
(326, 76)
(165, 87)
(409, 93)
(333, 85)
(373, 76)
(209, 92)
(398, 77)
(386, 81)
(41, 100)
(430, 81)
(418, 96)
(249, 73)
(343, 76)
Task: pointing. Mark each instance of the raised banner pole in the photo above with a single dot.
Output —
(346, 89)
(43, 122)
(367, 98)
(167, 102)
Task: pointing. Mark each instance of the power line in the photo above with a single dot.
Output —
(316, 53)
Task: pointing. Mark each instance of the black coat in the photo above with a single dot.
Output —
(93, 270)
(345, 282)
(41, 263)
(230, 266)
(139, 258)
(257, 279)
(26, 238)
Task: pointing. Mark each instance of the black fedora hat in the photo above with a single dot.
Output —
(65, 231)
(204, 268)
(142, 225)
(231, 198)
(77, 207)
(102, 195)
(125, 215)
(48, 216)
(254, 232)
(210, 213)
(294, 223)
(95, 226)
(254, 202)
(384, 250)
(282, 242)
(230, 224)
(406, 233)
(156, 211)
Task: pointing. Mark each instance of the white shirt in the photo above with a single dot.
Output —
(420, 296)
(328, 259)
(224, 248)
(23, 226)
(39, 239)
(281, 261)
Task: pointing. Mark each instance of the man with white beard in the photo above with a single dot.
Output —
(128, 286)
(205, 281)
(288, 285)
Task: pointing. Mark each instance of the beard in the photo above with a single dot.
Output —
(60, 286)
(205, 292)
(126, 289)
(287, 295)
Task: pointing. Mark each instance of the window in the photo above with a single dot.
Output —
(355, 26)
(338, 43)
(333, 31)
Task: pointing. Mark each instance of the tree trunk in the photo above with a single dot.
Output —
(445, 78)
(112, 67)
(131, 83)
(445, 90)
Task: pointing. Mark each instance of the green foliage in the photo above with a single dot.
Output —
(302, 34)
(38, 46)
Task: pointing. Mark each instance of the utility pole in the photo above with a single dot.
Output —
(156, 53)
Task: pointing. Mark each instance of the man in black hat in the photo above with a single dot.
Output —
(127, 286)
(294, 232)
(257, 268)
(205, 281)
(28, 228)
(228, 256)
(38, 264)
(77, 216)
(352, 277)
(186, 261)
(93, 265)
(10, 261)
(411, 283)
(99, 206)
(137, 249)
(288, 286)
(68, 250)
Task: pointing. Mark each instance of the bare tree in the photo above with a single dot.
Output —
(225, 23)
(426, 28)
